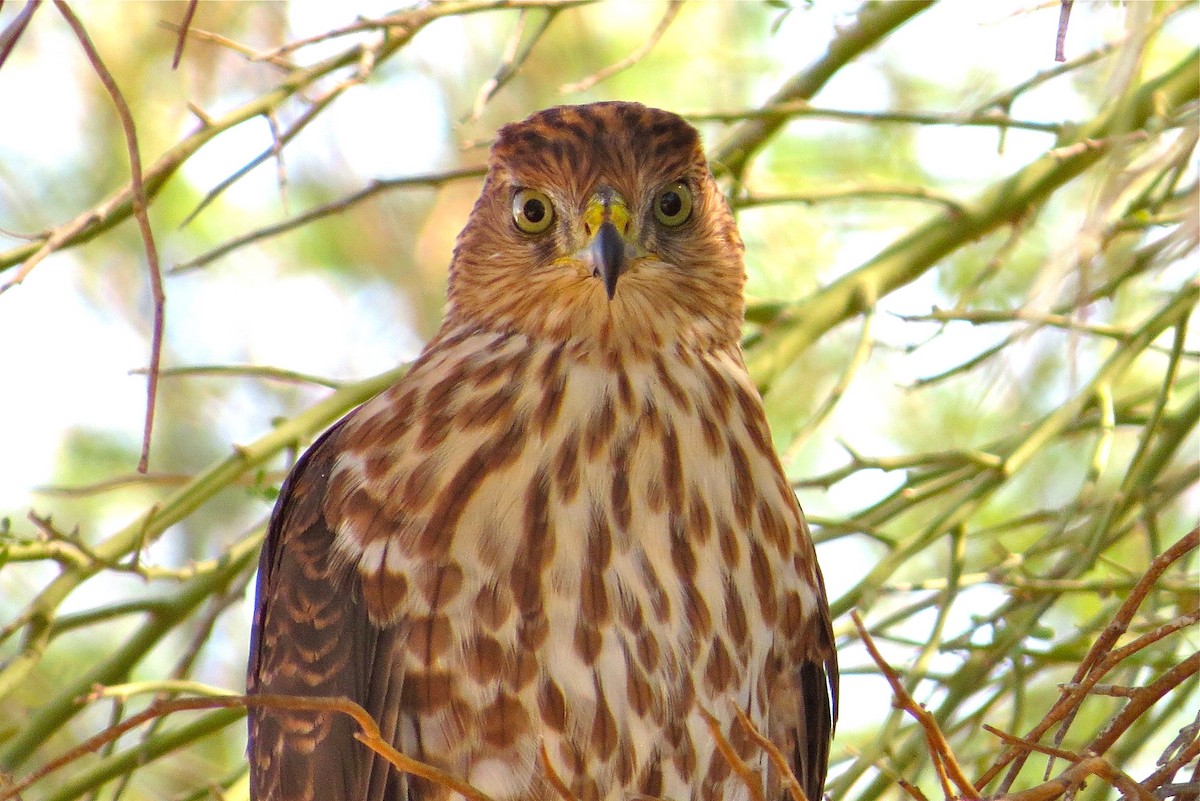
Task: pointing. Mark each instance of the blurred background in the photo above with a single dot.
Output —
(972, 288)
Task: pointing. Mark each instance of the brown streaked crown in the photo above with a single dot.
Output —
(688, 286)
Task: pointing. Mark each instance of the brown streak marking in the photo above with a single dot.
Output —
(773, 527)
(671, 385)
(735, 618)
(743, 484)
(600, 427)
(683, 557)
(418, 486)
(441, 585)
(566, 468)
(625, 392)
(593, 605)
(638, 691)
(712, 435)
(699, 518)
(538, 545)
(621, 503)
(754, 422)
(718, 674)
(484, 657)
(659, 602)
(429, 638)
(673, 470)
(718, 390)
(484, 409)
(550, 406)
(486, 460)
(656, 499)
(492, 607)
(730, 548)
(552, 705)
(763, 582)
(587, 641)
(698, 617)
(650, 783)
(384, 428)
(647, 650)
(427, 692)
(604, 726)
(383, 593)
(503, 722)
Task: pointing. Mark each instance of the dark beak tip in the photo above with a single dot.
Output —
(612, 256)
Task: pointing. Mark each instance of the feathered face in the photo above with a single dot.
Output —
(603, 223)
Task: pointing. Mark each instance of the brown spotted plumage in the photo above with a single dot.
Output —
(565, 528)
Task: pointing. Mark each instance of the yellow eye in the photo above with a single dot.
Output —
(532, 211)
(673, 204)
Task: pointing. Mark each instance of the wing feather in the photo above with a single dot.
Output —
(312, 637)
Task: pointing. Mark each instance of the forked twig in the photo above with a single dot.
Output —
(1099, 660)
(369, 735)
(944, 760)
(744, 771)
(773, 753)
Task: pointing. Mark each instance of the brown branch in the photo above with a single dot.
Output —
(1060, 41)
(1170, 767)
(1074, 776)
(744, 771)
(140, 204)
(943, 757)
(10, 35)
(1145, 698)
(773, 753)
(1095, 663)
(184, 27)
(369, 735)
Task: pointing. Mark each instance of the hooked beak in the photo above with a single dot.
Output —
(606, 219)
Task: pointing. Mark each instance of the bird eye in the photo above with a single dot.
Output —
(532, 211)
(673, 205)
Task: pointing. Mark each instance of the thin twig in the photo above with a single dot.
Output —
(375, 187)
(1095, 664)
(369, 735)
(1060, 41)
(511, 60)
(640, 52)
(939, 748)
(140, 204)
(790, 783)
(10, 35)
(745, 772)
(184, 27)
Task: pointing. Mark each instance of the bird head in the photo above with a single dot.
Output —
(601, 223)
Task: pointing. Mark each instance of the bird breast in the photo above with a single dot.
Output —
(582, 551)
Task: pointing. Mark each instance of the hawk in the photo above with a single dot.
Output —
(563, 537)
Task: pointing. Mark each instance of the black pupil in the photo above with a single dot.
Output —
(670, 203)
(534, 210)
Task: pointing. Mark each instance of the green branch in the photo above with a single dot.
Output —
(788, 330)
